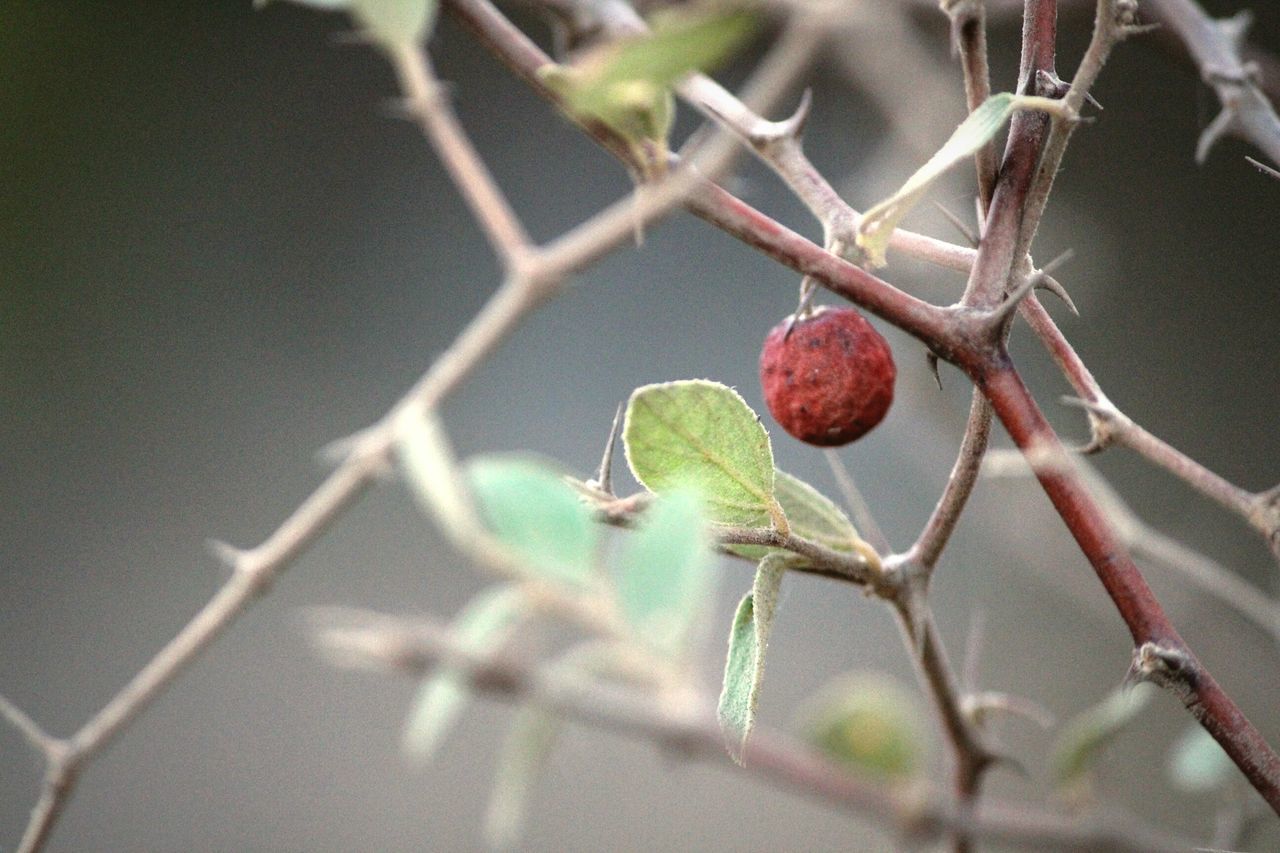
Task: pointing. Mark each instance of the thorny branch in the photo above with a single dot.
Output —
(961, 335)
(975, 345)
(689, 730)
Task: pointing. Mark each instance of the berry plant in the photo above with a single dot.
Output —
(628, 574)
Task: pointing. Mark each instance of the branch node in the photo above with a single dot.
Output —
(1105, 423)
(788, 129)
(1163, 666)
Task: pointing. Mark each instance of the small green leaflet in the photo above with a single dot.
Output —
(536, 515)
(524, 758)
(1084, 737)
(744, 667)
(664, 571)
(810, 514)
(626, 84)
(703, 434)
(877, 224)
(482, 626)
(1197, 764)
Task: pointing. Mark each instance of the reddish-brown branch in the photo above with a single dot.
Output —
(1153, 634)
(958, 336)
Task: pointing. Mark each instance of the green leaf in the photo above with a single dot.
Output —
(1085, 736)
(482, 626)
(703, 434)
(626, 84)
(744, 667)
(810, 514)
(1197, 764)
(396, 23)
(868, 723)
(664, 570)
(524, 758)
(536, 515)
(981, 126)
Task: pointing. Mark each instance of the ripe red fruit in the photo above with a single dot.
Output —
(831, 380)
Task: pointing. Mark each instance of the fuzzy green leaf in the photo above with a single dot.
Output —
(977, 130)
(702, 434)
(664, 570)
(868, 723)
(524, 758)
(626, 84)
(482, 626)
(810, 514)
(530, 508)
(1085, 736)
(744, 667)
(1197, 764)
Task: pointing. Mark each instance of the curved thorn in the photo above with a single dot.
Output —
(764, 134)
(604, 474)
(932, 358)
(1051, 284)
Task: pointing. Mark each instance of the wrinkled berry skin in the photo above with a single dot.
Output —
(831, 381)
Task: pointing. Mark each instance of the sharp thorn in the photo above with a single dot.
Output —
(604, 474)
(932, 359)
(1051, 284)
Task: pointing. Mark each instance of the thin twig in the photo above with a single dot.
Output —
(39, 740)
(428, 103)
(1258, 509)
(1204, 573)
(689, 729)
(969, 41)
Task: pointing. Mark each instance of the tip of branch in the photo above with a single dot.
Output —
(227, 554)
(1222, 124)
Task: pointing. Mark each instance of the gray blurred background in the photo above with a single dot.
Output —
(219, 251)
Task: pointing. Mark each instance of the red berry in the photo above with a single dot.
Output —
(831, 380)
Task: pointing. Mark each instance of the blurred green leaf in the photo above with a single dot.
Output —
(626, 84)
(1197, 764)
(1085, 736)
(810, 514)
(396, 22)
(664, 570)
(390, 22)
(703, 434)
(868, 723)
(979, 128)
(748, 641)
(482, 626)
(530, 508)
(524, 758)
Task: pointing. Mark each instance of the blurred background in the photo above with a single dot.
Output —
(221, 251)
